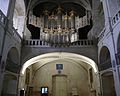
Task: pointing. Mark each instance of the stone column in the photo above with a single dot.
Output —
(106, 9)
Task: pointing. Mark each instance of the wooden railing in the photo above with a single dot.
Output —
(39, 43)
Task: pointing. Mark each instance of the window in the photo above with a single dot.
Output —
(44, 90)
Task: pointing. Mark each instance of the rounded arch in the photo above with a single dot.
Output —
(59, 55)
(12, 61)
(9, 85)
(105, 59)
(107, 81)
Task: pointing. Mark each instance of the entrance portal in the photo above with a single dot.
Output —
(59, 83)
(108, 84)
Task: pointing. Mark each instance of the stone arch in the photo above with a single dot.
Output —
(12, 61)
(59, 55)
(9, 85)
(107, 80)
(48, 62)
(105, 59)
(10, 78)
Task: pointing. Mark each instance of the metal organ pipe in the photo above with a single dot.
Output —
(46, 14)
(59, 17)
(57, 27)
(66, 21)
(72, 17)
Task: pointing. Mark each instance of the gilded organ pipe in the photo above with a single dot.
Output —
(59, 26)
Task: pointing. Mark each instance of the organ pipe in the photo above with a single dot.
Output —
(59, 25)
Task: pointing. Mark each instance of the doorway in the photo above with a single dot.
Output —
(108, 88)
(59, 83)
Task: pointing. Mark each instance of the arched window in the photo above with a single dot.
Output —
(105, 60)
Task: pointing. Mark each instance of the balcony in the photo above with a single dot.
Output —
(39, 43)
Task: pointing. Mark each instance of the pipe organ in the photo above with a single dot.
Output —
(59, 26)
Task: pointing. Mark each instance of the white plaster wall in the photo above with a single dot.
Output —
(77, 77)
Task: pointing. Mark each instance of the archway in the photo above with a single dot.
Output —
(105, 60)
(105, 68)
(108, 87)
(12, 62)
(9, 85)
(11, 71)
(76, 70)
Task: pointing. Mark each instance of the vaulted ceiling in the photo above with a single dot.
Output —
(31, 4)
